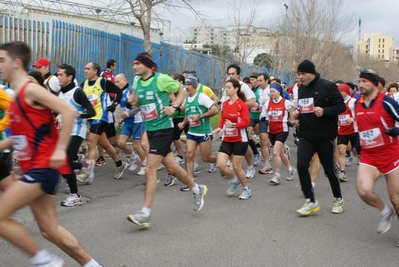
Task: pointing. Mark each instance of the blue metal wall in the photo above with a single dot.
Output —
(77, 45)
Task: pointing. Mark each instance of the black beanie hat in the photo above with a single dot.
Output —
(307, 66)
(145, 59)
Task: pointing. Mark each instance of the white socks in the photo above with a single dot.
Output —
(146, 211)
(92, 263)
(195, 189)
(40, 257)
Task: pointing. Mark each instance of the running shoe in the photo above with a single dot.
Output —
(134, 162)
(290, 174)
(212, 167)
(308, 208)
(385, 222)
(119, 171)
(266, 169)
(179, 160)
(170, 180)
(233, 188)
(197, 169)
(139, 219)
(100, 161)
(275, 179)
(342, 176)
(199, 199)
(72, 200)
(338, 206)
(81, 157)
(245, 194)
(50, 261)
(185, 188)
(256, 159)
(89, 171)
(250, 173)
(142, 170)
(348, 160)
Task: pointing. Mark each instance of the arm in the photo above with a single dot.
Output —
(110, 87)
(81, 98)
(337, 104)
(134, 111)
(244, 123)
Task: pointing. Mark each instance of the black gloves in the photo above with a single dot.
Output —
(263, 119)
(111, 108)
(392, 131)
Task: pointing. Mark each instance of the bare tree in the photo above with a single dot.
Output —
(314, 30)
(144, 11)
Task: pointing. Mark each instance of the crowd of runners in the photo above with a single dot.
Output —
(46, 119)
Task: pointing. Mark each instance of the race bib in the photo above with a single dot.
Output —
(230, 132)
(275, 115)
(21, 146)
(342, 120)
(371, 138)
(306, 105)
(192, 122)
(149, 111)
(93, 99)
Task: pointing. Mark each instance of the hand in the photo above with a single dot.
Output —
(132, 99)
(125, 114)
(296, 114)
(217, 130)
(256, 108)
(169, 110)
(195, 117)
(181, 125)
(120, 121)
(58, 158)
(111, 108)
(318, 111)
(228, 123)
(392, 131)
(350, 120)
(294, 123)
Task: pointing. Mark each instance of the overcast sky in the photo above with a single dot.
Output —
(378, 16)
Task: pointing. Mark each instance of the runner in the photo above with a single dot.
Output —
(234, 121)
(152, 91)
(40, 151)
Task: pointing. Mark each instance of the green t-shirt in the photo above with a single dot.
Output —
(153, 96)
(203, 126)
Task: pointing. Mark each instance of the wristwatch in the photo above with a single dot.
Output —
(175, 106)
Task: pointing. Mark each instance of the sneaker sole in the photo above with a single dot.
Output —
(389, 226)
(244, 198)
(343, 180)
(132, 167)
(72, 205)
(314, 210)
(144, 225)
(172, 183)
(99, 165)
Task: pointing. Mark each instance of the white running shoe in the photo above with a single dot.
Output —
(134, 162)
(142, 170)
(250, 173)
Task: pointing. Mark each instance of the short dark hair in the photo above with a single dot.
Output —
(97, 67)
(18, 50)
(234, 66)
(265, 76)
(110, 63)
(246, 80)
(69, 70)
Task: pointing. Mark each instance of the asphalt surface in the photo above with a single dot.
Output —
(262, 231)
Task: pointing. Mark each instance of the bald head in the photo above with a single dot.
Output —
(120, 80)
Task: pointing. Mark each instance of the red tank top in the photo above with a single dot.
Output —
(372, 123)
(34, 134)
(345, 128)
(277, 117)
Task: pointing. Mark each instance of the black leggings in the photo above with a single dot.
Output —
(72, 150)
(325, 150)
(251, 143)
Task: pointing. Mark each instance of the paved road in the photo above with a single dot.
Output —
(262, 231)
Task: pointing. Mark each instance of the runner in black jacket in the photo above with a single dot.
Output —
(320, 102)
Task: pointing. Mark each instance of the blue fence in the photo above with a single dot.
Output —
(78, 45)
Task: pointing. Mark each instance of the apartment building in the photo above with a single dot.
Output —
(375, 46)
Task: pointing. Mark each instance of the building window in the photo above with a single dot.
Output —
(383, 51)
(379, 46)
(383, 40)
(379, 51)
(382, 46)
(379, 40)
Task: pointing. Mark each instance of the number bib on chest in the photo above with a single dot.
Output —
(21, 146)
(230, 132)
(371, 138)
(342, 120)
(192, 122)
(275, 115)
(306, 105)
(149, 111)
(93, 99)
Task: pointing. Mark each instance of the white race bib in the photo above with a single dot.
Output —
(306, 105)
(21, 146)
(149, 111)
(371, 138)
